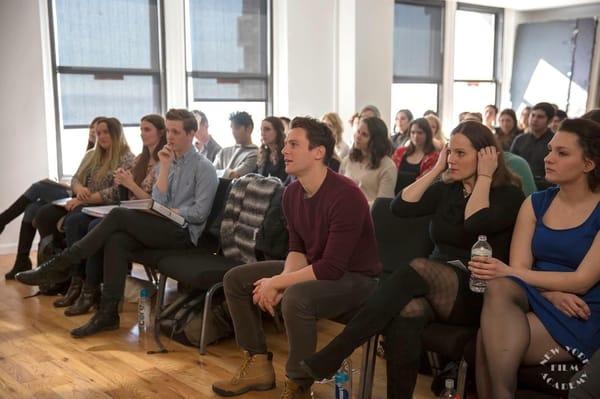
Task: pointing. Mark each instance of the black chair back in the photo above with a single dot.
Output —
(210, 236)
(400, 240)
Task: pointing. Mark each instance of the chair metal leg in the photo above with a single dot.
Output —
(462, 378)
(158, 308)
(207, 308)
(367, 368)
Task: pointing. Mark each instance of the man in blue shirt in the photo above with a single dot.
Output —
(187, 183)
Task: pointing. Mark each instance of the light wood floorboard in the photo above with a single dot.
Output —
(39, 359)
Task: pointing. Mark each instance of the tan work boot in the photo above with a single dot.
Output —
(291, 390)
(255, 374)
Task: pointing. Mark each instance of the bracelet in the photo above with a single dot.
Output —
(484, 176)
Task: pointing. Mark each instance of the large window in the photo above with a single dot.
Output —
(476, 49)
(106, 61)
(417, 56)
(228, 61)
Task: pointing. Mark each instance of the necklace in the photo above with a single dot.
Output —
(465, 192)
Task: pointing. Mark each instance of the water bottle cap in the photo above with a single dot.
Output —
(449, 384)
(144, 293)
(482, 238)
(340, 378)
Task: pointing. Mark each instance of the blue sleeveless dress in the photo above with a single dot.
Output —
(562, 251)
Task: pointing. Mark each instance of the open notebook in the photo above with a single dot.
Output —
(143, 205)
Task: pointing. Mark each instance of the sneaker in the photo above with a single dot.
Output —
(255, 374)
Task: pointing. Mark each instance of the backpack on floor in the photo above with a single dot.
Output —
(182, 321)
(47, 249)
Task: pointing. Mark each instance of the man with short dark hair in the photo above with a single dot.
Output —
(559, 116)
(187, 183)
(534, 146)
(205, 143)
(240, 159)
(489, 116)
(329, 270)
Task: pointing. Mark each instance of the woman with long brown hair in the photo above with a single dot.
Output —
(139, 182)
(477, 195)
(270, 160)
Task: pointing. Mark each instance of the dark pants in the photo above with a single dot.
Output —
(301, 306)
(122, 232)
(46, 218)
(76, 227)
(94, 263)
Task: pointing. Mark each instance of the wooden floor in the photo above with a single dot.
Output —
(39, 359)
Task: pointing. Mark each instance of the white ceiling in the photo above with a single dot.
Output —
(526, 5)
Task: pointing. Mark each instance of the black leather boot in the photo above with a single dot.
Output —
(106, 318)
(72, 294)
(54, 270)
(22, 263)
(17, 208)
(89, 299)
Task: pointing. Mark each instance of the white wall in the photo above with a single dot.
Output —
(22, 106)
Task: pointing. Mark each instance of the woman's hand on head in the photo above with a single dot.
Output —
(487, 161)
(442, 161)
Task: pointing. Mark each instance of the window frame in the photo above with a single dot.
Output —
(58, 69)
(396, 79)
(498, 45)
(267, 77)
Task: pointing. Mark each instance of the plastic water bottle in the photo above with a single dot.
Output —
(449, 392)
(343, 381)
(481, 248)
(144, 322)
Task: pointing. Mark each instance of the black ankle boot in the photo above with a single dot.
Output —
(106, 318)
(22, 263)
(55, 270)
(89, 298)
(72, 293)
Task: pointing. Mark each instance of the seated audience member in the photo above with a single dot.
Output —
(370, 111)
(205, 143)
(520, 167)
(186, 183)
(37, 195)
(593, 114)
(270, 161)
(508, 129)
(559, 116)
(334, 123)
(549, 297)
(93, 183)
(524, 119)
(489, 116)
(138, 182)
(240, 159)
(286, 123)
(473, 116)
(401, 134)
(369, 164)
(329, 270)
(353, 122)
(436, 129)
(534, 147)
(478, 195)
(420, 156)
(430, 112)
(462, 116)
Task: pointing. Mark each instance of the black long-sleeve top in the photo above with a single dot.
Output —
(452, 235)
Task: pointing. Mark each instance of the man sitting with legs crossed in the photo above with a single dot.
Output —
(329, 270)
(187, 182)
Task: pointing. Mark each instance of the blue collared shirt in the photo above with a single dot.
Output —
(192, 187)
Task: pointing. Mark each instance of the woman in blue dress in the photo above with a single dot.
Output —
(545, 307)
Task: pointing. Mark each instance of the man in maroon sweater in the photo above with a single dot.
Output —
(329, 270)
